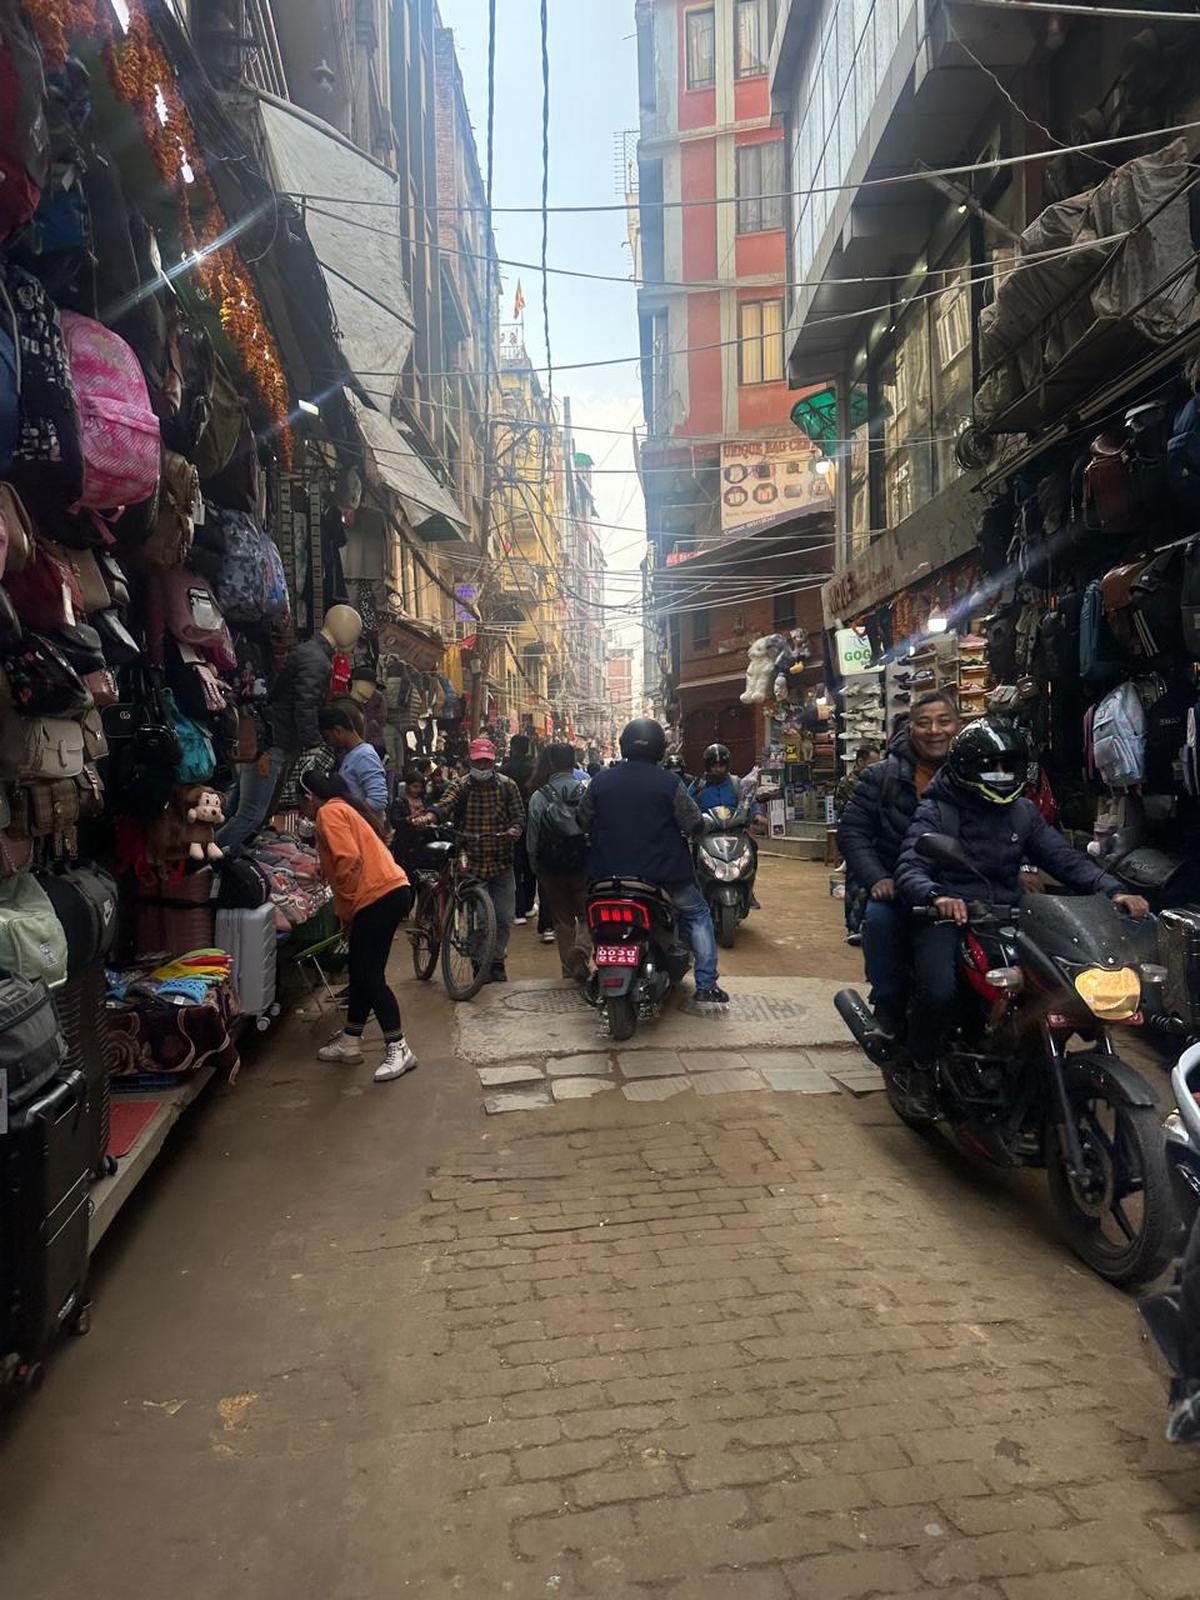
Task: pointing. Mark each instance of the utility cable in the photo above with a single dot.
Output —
(545, 28)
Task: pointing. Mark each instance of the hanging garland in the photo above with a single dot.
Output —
(145, 80)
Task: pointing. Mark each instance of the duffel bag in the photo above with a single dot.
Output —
(32, 1047)
(243, 884)
(84, 898)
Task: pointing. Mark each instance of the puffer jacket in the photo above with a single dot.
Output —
(300, 692)
(999, 840)
(878, 815)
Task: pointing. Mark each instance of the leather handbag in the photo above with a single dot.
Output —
(45, 591)
(41, 747)
(171, 537)
(16, 531)
(42, 682)
(10, 623)
(120, 648)
(81, 646)
(86, 567)
(45, 810)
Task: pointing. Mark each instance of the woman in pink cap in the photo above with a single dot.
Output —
(487, 807)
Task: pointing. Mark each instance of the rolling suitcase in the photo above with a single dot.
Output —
(91, 1049)
(249, 937)
(44, 1182)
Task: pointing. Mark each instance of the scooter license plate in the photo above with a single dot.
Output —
(616, 955)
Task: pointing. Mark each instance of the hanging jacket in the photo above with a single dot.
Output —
(999, 840)
(298, 695)
(878, 815)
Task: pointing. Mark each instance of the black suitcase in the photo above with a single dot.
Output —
(1179, 952)
(91, 1049)
(44, 1183)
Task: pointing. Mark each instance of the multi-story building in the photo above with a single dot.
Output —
(581, 599)
(721, 455)
(622, 700)
(897, 281)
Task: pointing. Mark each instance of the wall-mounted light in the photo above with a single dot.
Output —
(309, 408)
(821, 468)
(121, 11)
(938, 623)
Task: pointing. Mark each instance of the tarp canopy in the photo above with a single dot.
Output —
(816, 415)
(362, 265)
(430, 509)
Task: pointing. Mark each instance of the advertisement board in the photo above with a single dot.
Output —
(765, 478)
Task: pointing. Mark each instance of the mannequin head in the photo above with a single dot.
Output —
(342, 627)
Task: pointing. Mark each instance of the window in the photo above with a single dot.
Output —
(950, 314)
(701, 48)
(908, 464)
(760, 186)
(760, 341)
(784, 612)
(754, 27)
(700, 630)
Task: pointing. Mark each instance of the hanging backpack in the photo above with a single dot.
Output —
(197, 760)
(1149, 428)
(1119, 738)
(562, 843)
(47, 458)
(24, 131)
(190, 609)
(1154, 606)
(242, 582)
(1166, 734)
(1183, 457)
(121, 442)
(1109, 502)
(1060, 639)
(1099, 654)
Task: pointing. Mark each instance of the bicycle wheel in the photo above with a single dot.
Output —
(469, 942)
(424, 933)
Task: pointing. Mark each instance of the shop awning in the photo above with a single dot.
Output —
(430, 509)
(357, 244)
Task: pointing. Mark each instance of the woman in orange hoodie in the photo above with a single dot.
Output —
(372, 897)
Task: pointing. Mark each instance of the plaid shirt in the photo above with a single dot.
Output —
(487, 809)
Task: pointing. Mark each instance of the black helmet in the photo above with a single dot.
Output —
(643, 740)
(675, 764)
(991, 757)
(717, 755)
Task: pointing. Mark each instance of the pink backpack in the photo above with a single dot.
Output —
(182, 604)
(121, 443)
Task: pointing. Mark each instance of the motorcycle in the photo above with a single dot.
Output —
(1172, 1317)
(1034, 977)
(638, 956)
(726, 865)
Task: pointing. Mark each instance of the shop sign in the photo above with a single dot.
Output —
(465, 596)
(853, 651)
(765, 478)
(777, 818)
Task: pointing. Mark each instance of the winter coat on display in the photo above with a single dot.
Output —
(999, 840)
(300, 691)
(878, 815)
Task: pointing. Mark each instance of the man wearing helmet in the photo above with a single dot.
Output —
(978, 800)
(674, 763)
(716, 785)
(639, 819)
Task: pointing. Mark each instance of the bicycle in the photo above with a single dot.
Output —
(454, 917)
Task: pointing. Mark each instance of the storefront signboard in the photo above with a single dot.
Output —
(777, 817)
(853, 650)
(763, 478)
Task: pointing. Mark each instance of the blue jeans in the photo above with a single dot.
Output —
(935, 989)
(503, 892)
(695, 920)
(255, 792)
(887, 946)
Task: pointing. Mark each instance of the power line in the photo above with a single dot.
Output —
(545, 28)
(964, 169)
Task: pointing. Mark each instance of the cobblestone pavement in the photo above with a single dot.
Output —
(361, 1343)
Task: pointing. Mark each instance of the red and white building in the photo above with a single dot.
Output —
(710, 238)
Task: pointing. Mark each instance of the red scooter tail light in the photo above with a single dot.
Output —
(608, 915)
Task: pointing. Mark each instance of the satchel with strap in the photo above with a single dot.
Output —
(171, 537)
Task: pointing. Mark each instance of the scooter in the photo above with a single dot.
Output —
(638, 956)
(1172, 1317)
(726, 866)
(1035, 977)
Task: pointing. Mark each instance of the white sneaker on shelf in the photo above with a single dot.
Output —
(341, 1048)
(397, 1060)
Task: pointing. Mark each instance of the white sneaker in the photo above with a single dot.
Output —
(547, 937)
(341, 1048)
(519, 922)
(398, 1059)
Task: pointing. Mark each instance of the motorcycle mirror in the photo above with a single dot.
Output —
(940, 850)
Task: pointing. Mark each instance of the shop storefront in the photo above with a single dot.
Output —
(180, 525)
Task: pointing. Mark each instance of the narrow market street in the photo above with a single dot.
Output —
(355, 1342)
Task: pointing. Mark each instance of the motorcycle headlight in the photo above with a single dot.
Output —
(726, 871)
(1114, 996)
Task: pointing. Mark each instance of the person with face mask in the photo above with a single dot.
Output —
(487, 806)
(716, 786)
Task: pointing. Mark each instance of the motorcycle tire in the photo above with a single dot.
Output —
(622, 1018)
(1136, 1144)
(727, 921)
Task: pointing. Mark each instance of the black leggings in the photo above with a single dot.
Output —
(371, 933)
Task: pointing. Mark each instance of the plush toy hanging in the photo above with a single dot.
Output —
(760, 669)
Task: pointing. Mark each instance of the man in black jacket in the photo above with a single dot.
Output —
(870, 835)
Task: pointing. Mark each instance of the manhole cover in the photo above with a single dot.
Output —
(548, 1002)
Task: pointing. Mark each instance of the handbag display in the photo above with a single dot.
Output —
(42, 682)
(47, 810)
(196, 760)
(120, 648)
(40, 747)
(45, 591)
(171, 536)
(16, 531)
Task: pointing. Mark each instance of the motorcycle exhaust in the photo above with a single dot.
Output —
(856, 1014)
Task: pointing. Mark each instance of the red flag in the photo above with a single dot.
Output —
(518, 302)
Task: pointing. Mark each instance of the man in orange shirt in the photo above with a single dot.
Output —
(371, 896)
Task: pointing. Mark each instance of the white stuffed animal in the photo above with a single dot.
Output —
(760, 670)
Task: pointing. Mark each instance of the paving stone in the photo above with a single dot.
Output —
(587, 1066)
(712, 1060)
(797, 1080)
(830, 1059)
(656, 1088)
(859, 1080)
(730, 1082)
(532, 1099)
(507, 1077)
(579, 1088)
(649, 1063)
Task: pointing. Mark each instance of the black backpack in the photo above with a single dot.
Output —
(562, 843)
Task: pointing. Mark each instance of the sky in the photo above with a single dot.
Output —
(593, 97)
